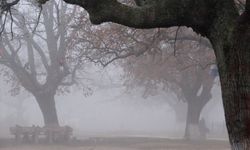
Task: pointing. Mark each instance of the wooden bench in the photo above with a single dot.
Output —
(32, 134)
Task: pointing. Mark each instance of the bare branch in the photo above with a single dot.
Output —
(176, 34)
(31, 59)
(38, 19)
(5, 6)
(29, 38)
(41, 53)
(3, 24)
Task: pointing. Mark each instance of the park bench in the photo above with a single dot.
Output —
(34, 133)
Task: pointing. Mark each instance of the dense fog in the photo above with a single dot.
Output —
(71, 78)
(110, 110)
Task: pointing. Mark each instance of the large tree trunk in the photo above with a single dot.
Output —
(47, 105)
(235, 82)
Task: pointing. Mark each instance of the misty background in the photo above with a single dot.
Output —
(61, 74)
(109, 109)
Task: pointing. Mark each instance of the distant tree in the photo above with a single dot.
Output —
(184, 71)
(42, 55)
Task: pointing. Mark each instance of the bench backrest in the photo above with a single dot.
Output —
(41, 130)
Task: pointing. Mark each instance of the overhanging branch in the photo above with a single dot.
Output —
(247, 7)
(160, 13)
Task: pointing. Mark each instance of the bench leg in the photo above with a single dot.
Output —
(35, 138)
(50, 137)
(26, 138)
(18, 138)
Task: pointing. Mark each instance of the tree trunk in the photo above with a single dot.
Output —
(235, 83)
(192, 123)
(46, 103)
(196, 102)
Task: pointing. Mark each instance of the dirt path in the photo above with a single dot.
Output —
(123, 143)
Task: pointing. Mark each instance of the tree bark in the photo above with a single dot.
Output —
(47, 106)
(235, 83)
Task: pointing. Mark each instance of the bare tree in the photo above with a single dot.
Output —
(42, 54)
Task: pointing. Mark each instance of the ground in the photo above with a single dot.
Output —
(121, 143)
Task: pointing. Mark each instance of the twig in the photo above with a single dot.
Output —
(38, 19)
(176, 34)
(11, 24)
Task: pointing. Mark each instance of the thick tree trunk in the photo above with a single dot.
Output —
(236, 100)
(47, 105)
(192, 131)
(235, 82)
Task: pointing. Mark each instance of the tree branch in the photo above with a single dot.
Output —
(5, 6)
(20, 22)
(13, 62)
(31, 59)
(247, 7)
(48, 14)
(161, 13)
(13, 52)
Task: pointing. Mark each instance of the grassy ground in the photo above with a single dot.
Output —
(121, 143)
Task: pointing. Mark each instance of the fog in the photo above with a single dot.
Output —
(66, 83)
(109, 111)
